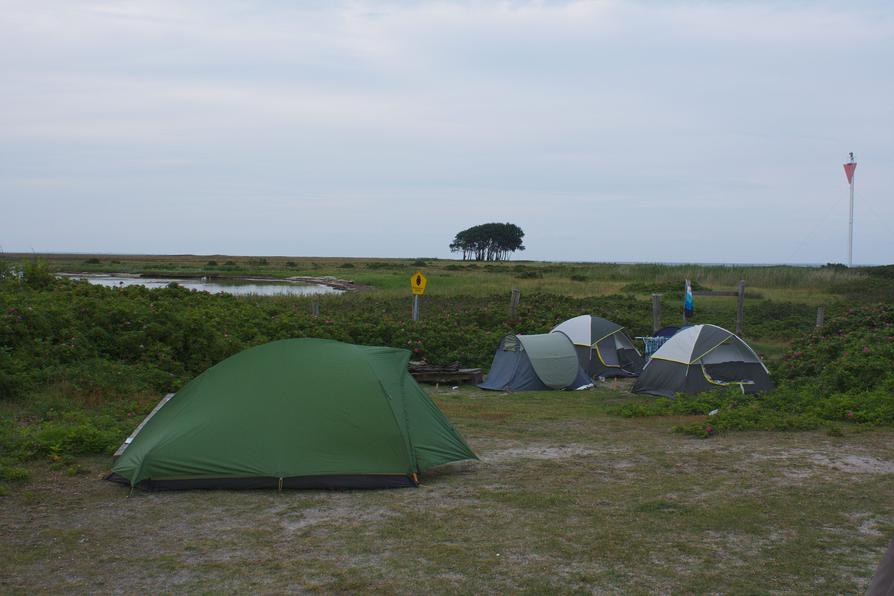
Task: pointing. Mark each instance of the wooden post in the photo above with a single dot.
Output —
(820, 316)
(740, 307)
(315, 308)
(656, 312)
(513, 302)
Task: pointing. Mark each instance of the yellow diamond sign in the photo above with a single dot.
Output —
(417, 283)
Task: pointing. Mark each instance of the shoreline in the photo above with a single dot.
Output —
(345, 285)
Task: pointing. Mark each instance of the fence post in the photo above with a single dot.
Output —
(315, 308)
(656, 312)
(820, 316)
(740, 307)
(513, 302)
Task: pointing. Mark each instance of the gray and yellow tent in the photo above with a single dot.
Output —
(602, 347)
(297, 413)
(535, 362)
(701, 358)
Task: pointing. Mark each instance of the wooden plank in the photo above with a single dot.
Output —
(129, 439)
(463, 375)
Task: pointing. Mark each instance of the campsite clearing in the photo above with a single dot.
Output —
(566, 498)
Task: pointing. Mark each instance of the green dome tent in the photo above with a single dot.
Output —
(297, 413)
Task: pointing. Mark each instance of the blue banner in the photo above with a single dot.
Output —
(688, 306)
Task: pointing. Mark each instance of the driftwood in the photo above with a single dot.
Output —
(421, 366)
(444, 373)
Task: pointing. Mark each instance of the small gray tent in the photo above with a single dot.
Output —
(602, 347)
(701, 358)
(535, 362)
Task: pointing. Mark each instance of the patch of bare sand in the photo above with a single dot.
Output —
(344, 513)
(854, 464)
(509, 451)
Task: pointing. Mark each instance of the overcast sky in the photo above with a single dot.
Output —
(608, 130)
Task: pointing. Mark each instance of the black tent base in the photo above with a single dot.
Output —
(332, 482)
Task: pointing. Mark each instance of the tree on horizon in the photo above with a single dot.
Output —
(488, 242)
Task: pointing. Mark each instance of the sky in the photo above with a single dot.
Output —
(655, 131)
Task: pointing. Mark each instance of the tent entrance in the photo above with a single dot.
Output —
(725, 376)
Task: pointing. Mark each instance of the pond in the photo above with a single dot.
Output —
(238, 287)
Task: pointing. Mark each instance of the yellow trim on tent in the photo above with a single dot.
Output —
(609, 335)
(595, 348)
(709, 379)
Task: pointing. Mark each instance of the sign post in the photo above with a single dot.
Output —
(849, 168)
(417, 285)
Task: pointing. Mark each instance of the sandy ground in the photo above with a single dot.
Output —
(588, 504)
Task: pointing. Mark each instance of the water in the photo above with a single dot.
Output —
(217, 286)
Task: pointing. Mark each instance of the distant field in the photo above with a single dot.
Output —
(452, 277)
(566, 499)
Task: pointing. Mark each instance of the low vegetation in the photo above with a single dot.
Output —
(74, 356)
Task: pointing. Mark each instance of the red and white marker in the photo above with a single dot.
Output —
(849, 169)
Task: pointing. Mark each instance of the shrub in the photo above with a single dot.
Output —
(529, 275)
(36, 274)
(346, 266)
(666, 287)
(13, 474)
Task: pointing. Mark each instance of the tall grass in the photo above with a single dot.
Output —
(453, 277)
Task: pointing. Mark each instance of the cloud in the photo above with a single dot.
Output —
(724, 117)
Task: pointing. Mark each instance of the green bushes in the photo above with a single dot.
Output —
(73, 355)
(669, 287)
(125, 340)
(36, 274)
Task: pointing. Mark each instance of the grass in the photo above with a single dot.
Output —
(452, 277)
(566, 499)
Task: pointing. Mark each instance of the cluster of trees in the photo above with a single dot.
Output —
(488, 242)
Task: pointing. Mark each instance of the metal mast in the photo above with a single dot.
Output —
(849, 168)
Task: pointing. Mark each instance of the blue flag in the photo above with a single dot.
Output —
(688, 306)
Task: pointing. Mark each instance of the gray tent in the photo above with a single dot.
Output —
(701, 358)
(535, 362)
(883, 580)
(602, 347)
